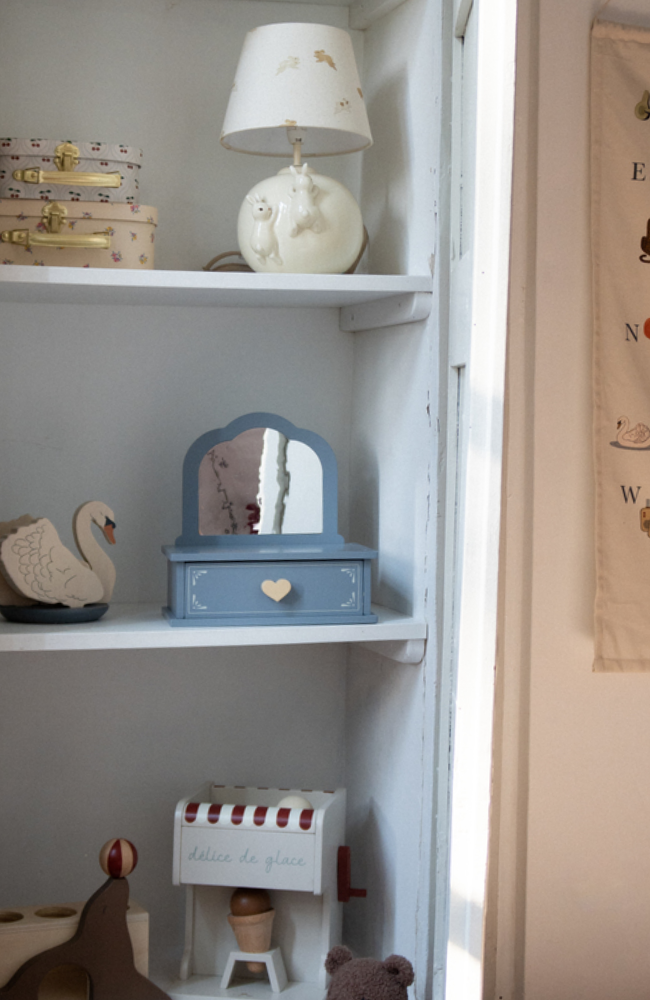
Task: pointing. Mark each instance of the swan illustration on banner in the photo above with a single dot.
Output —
(39, 570)
(631, 437)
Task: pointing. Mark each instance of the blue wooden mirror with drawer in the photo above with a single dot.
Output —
(260, 542)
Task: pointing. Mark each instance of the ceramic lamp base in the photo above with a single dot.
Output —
(300, 222)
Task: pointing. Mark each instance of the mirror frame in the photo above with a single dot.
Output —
(203, 444)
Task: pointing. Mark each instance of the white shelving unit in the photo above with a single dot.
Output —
(107, 376)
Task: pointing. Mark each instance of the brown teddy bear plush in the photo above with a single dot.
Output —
(367, 978)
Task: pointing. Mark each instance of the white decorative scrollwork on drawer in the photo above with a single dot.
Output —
(352, 573)
(195, 603)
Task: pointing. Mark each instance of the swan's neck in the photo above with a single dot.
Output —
(93, 553)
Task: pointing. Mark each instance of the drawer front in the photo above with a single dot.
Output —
(236, 588)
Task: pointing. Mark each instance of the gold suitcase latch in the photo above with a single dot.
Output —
(53, 216)
(66, 159)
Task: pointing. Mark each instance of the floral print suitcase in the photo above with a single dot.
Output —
(77, 234)
(64, 170)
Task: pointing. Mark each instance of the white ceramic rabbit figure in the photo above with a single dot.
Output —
(304, 212)
(264, 242)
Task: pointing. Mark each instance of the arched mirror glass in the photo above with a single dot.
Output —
(257, 482)
(260, 483)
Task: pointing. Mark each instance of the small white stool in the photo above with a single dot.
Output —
(272, 960)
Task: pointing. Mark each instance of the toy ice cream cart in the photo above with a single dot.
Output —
(285, 844)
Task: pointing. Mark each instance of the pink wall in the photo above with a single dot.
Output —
(570, 877)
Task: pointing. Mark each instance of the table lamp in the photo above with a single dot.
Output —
(297, 93)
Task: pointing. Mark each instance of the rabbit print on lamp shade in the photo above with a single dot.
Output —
(297, 91)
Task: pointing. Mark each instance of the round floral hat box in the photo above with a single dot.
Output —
(77, 234)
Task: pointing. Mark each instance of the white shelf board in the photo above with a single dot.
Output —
(142, 626)
(206, 987)
(100, 286)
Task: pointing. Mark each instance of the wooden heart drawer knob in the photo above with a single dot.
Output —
(276, 589)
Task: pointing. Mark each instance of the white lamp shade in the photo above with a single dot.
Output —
(298, 77)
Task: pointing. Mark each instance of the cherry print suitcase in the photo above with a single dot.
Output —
(63, 170)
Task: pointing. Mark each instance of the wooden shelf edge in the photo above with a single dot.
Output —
(143, 627)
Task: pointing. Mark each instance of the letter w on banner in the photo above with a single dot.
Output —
(620, 161)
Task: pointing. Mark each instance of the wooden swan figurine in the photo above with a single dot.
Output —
(632, 437)
(37, 566)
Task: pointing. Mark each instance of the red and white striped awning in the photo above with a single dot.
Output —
(266, 819)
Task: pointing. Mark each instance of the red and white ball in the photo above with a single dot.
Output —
(118, 858)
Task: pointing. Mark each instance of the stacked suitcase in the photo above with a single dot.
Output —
(73, 204)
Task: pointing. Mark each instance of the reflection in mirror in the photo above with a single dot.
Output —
(260, 483)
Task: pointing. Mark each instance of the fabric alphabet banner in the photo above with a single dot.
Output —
(620, 179)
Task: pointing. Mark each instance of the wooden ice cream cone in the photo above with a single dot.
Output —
(253, 933)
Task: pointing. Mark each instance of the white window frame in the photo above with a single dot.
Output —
(474, 389)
